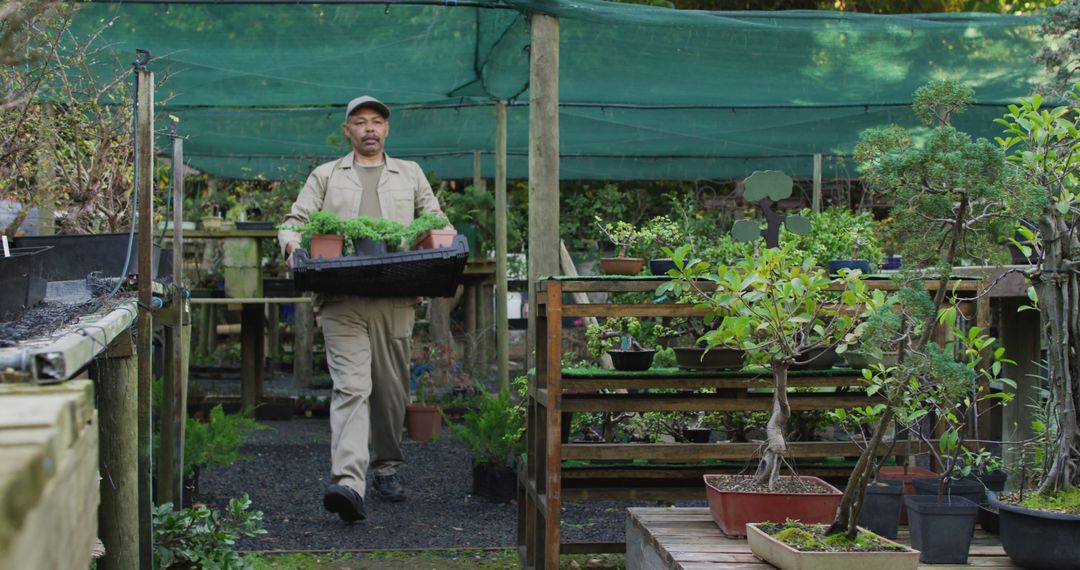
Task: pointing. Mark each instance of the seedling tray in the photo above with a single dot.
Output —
(420, 273)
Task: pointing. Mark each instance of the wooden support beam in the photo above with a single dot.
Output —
(303, 343)
(117, 403)
(144, 164)
(502, 331)
(816, 202)
(1021, 340)
(478, 171)
(252, 357)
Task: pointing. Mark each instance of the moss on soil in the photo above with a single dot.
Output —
(1066, 503)
(812, 538)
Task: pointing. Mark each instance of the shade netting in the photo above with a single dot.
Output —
(645, 93)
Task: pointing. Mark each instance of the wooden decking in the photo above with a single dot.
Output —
(688, 539)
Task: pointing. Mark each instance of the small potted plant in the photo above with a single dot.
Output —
(623, 338)
(430, 231)
(493, 430)
(841, 239)
(213, 207)
(657, 233)
(373, 236)
(423, 417)
(622, 235)
(323, 235)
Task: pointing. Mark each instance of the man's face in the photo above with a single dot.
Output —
(366, 129)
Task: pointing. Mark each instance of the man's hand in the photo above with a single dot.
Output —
(290, 249)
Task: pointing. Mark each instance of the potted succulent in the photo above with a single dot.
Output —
(624, 339)
(622, 235)
(777, 307)
(1038, 529)
(493, 430)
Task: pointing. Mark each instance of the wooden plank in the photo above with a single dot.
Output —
(723, 451)
(705, 402)
(580, 384)
(632, 310)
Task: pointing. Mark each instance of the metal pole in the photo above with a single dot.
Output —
(144, 165)
(502, 339)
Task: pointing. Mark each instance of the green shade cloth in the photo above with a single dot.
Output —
(646, 93)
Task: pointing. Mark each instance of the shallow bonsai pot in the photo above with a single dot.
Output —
(941, 527)
(423, 421)
(732, 510)
(820, 358)
(1038, 539)
(881, 508)
(434, 239)
(696, 358)
(836, 265)
(969, 489)
(325, 246)
(631, 360)
(661, 266)
(897, 472)
(787, 558)
(621, 265)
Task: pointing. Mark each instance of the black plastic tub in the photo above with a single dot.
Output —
(76, 256)
(661, 266)
(21, 283)
(969, 489)
(631, 360)
(881, 508)
(421, 273)
(1038, 539)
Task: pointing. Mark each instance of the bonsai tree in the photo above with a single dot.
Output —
(778, 308)
(1042, 151)
(838, 233)
(621, 234)
(948, 204)
(656, 233)
(624, 333)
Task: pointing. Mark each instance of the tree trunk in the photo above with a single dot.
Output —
(1059, 295)
(769, 468)
(847, 518)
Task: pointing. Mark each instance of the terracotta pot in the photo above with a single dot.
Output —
(897, 473)
(695, 358)
(435, 239)
(621, 265)
(423, 421)
(326, 246)
(732, 510)
(787, 558)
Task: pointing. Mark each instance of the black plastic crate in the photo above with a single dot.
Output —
(420, 273)
(21, 283)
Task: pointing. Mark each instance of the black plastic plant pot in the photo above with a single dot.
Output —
(993, 481)
(660, 266)
(1038, 539)
(697, 435)
(369, 247)
(881, 507)
(76, 256)
(21, 283)
(941, 527)
(836, 265)
(495, 482)
(989, 519)
(631, 360)
(969, 489)
(816, 359)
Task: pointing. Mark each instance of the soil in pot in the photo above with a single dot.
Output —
(816, 359)
(621, 265)
(495, 482)
(735, 500)
(805, 547)
(631, 360)
(899, 473)
(941, 527)
(423, 421)
(697, 358)
(1035, 538)
(881, 508)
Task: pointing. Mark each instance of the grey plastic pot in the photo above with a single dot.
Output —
(1038, 539)
(881, 507)
(941, 527)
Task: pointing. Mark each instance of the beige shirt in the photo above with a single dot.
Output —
(335, 186)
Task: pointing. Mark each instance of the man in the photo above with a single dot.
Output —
(367, 339)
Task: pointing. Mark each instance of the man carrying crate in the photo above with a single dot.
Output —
(367, 339)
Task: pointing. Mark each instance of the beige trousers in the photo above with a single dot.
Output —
(367, 348)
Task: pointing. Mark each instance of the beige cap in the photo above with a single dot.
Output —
(369, 102)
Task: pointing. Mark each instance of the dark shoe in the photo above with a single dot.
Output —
(389, 488)
(347, 503)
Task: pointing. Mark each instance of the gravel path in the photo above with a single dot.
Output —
(289, 469)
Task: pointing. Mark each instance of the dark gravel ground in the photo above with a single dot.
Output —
(289, 468)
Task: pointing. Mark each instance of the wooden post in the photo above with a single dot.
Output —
(816, 204)
(543, 163)
(144, 180)
(485, 318)
(273, 331)
(471, 292)
(441, 338)
(303, 341)
(252, 358)
(502, 332)
(478, 171)
(1021, 341)
(116, 392)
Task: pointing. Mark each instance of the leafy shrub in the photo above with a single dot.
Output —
(201, 538)
(216, 441)
(493, 428)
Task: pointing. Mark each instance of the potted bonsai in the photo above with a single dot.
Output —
(492, 430)
(622, 235)
(776, 307)
(1038, 529)
(624, 339)
(655, 234)
(840, 239)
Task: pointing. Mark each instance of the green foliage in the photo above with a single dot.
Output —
(201, 538)
(493, 429)
(366, 227)
(813, 538)
(476, 205)
(656, 233)
(578, 211)
(726, 250)
(621, 234)
(837, 233)
(1059, 54)
(216, 441)
(940, 184)
(1062, 501)
(936, 102)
